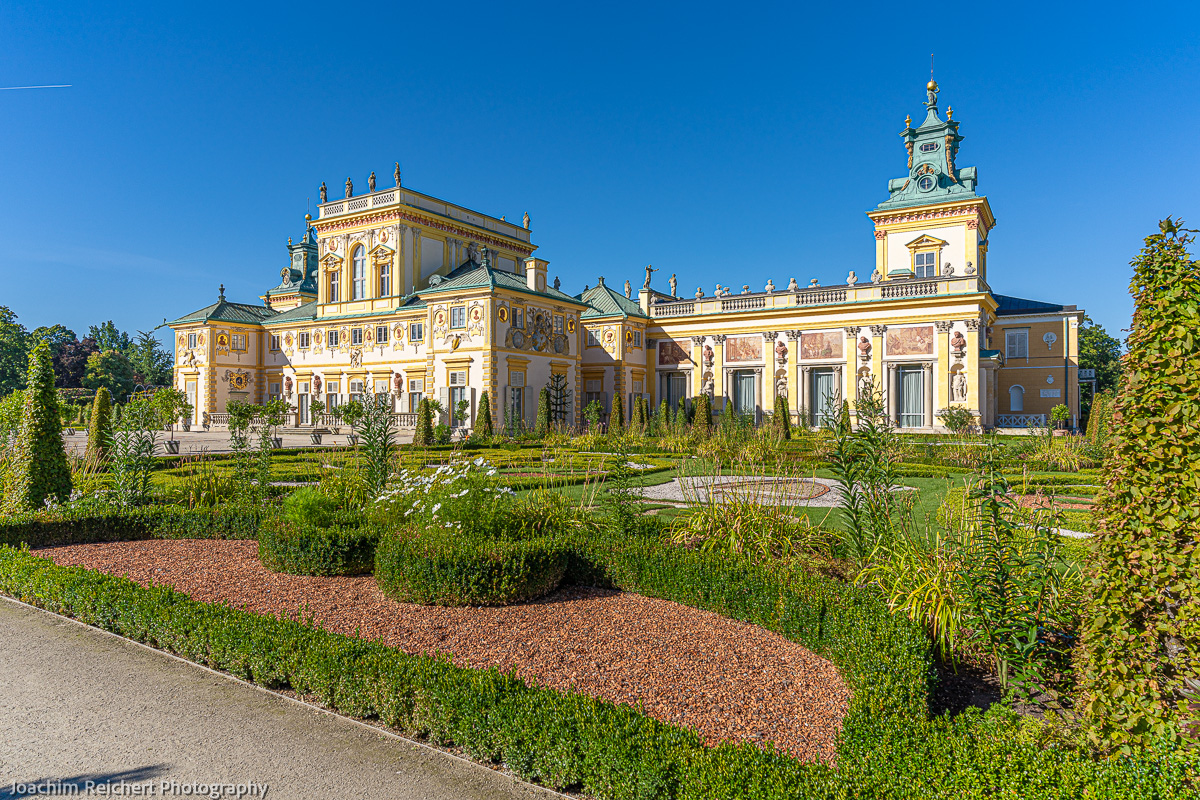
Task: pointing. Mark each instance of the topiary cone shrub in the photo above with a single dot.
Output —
(783, 417)
(483, 417)
(1141, 637)
(541, 425)
(616, 420)
(702, 412)
(423, 436)
(99, 425)
(39, 468)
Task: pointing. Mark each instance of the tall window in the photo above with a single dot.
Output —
(333, 339)
(458, 393)
(385, 279)
(359, 278)
(416, 390)
(335, 285)
(744, 401)
(676, 389)
(925, 265)
(1016, 344)
(911, 385)
(192, 341)
(275, 342)
(824, 398)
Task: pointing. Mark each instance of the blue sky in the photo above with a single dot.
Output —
(724, 143)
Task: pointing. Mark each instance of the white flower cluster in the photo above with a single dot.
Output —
(428, 493)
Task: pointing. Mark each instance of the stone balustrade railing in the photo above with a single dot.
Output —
(820, 296)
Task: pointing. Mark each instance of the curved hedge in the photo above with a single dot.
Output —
(298, 549)
(436, 568)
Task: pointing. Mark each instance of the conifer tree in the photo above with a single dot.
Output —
(541, 425)
(483, 417)
(1141, 637)
(424, 433)
(702, 412)
(727, 413)
(616, 420)
(783, 417)
(39, 469)
(100, 425)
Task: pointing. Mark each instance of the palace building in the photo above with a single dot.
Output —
(396, 291)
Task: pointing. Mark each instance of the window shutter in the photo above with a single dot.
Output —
(444, 396)
(471, 410)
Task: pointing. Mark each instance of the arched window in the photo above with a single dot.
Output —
(385, 279)
(1016, 399)
(334, 285)
(358, 287)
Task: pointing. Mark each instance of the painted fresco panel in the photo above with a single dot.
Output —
(824, 344)
(671, 352)
(914, 341)
(743, 348)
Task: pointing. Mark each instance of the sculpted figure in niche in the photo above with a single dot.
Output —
(958, 343)
(708, 355)
(959, 387)
(398, 380)
(781, 386)
(865, 384)
(287, 386)
(709, 387)
(864, 348)
(781, 351)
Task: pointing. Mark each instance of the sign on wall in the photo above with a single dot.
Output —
(1051, 392)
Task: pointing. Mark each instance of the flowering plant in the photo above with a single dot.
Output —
(457, 497)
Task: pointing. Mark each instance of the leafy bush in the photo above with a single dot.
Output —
(308, 506)
(1142, 641)
(957, 419)
(616, 420)
(309, 549)
(83, 525)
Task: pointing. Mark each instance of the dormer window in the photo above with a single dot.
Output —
(929, 147)
(925, 265)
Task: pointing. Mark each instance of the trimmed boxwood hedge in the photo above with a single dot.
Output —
(118, 524)
(446, 569)
(888, 747)
(299, 549)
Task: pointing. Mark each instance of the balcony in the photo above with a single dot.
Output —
(814, 296)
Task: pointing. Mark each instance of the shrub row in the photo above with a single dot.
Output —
(446, 569)
(116, 524)
(304, 549)
(951, 511)
(888, 748)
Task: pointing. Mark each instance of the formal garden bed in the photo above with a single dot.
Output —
(841, 613)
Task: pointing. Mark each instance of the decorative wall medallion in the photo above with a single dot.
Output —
(628, 337)
(331, 245)
(238, 381)
(502, 313)
(439, 318)
(200, 339)
(570, 326)
(609, 336)
(561, 345)
(287, 339)
(398, 331)
(383, 235)
(517, 339)
(369, 335)
(182, 340)
(223, 341)
(476, 313)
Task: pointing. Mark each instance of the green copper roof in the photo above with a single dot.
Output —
(473, 275)
(225, 311)
(932, 175)
(301, 313)
(605, 302)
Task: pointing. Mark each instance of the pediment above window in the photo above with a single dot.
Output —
(382, 252)
(331, 262)
(924, 242)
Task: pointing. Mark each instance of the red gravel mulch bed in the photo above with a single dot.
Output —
(726, 680)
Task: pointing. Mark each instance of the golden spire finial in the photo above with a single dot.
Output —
(908, 120)
(949, 112)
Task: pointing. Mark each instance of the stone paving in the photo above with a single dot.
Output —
(768, 490)
(217, 441)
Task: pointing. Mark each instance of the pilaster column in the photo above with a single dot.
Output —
(877, 371)
(928, 394)
(698, 370)
(849, 379)
(975, 398)
(794, 388)
(945, 361)
(407, 281)
(889, 389)
(718, 369)
(805, 374)
(769, 360)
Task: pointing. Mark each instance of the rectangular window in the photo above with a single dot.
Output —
(911, 385)
(191, 341)
(458, 317)
(518, 318)
(332, 339)
(385, 279)
(516, 379)
(824, 398)
(239, 341)
(637, 387)
(381, 334)
(637, 338)
(558, 323)
(416, 332)
(335, 283)
(592, 341)
(458, 378)
(304, 340)
(676, 389)
(516, 403)
(356, 390)
(302, 406)
(275, 342)
(416, 390)
(457, 395)
(381, 386)
(1016, 344)
(274, 391)
(925, 265)
(356, 336)
(332, 395)
(744, 400)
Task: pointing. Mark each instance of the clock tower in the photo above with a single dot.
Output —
(933, 223)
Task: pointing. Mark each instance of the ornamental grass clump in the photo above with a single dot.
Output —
(1141, 640)
(39, 473)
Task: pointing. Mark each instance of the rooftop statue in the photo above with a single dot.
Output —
(629, 289)
(650, 270)
(397, 174)
(371, 181)
(324, 193)
(526, 220)
(674, 283)
(349, 188)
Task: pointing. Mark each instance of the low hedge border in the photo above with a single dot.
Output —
(297, 549)
(117, 524)
(888, 747)
(443, 569)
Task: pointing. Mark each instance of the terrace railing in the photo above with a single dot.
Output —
(1020, 420)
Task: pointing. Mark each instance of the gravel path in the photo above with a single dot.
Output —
(724, 679)
(819, 492)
